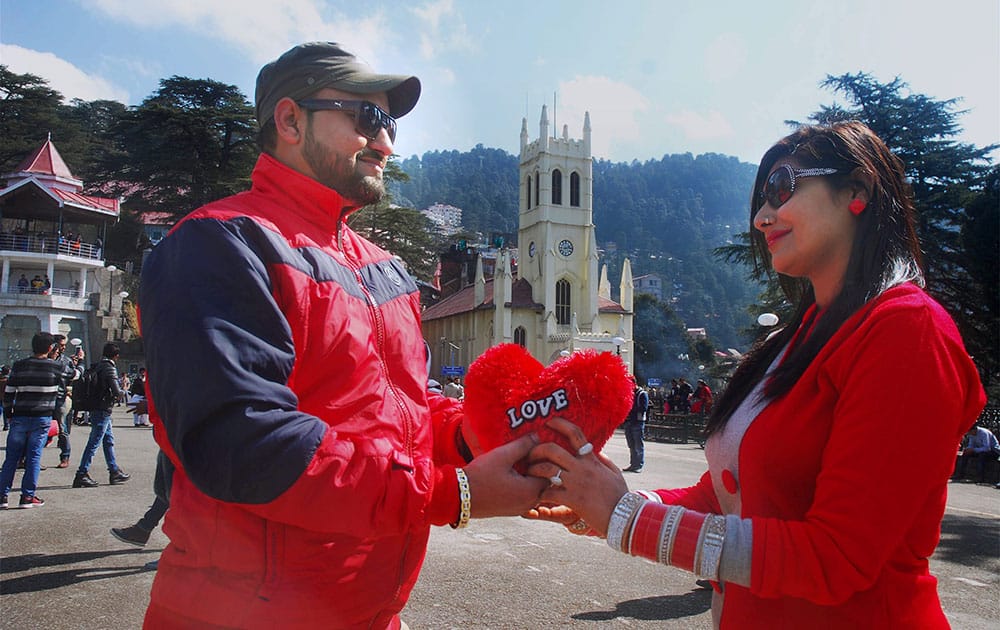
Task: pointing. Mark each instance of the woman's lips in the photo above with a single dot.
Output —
(774, 235)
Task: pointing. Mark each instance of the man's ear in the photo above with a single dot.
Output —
(289, 121)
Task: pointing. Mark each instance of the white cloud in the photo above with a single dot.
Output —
(263, 29)
(442, 29)
(701, 126)
(70, 81)
(616, 111)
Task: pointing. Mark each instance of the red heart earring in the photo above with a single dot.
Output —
(856, 206)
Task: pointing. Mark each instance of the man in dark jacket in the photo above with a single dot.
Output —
(100, 424)
(29, 400)
(635, 425)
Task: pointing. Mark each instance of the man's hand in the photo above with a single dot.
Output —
(499, 490)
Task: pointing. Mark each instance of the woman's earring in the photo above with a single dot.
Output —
(856, 206)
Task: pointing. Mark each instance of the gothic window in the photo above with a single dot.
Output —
(562, 302)
(528, 192)
(574, 190)
(520, 336)
(557, 187)
(536, 189)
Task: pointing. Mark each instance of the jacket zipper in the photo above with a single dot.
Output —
(379, 339)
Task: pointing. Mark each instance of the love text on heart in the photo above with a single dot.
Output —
(533, 409)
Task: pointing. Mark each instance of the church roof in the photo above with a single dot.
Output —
(45, 161)
(521, 297)
(604, 305)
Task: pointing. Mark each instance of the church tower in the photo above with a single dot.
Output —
(556, 239)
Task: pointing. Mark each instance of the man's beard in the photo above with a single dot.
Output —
(336, 172)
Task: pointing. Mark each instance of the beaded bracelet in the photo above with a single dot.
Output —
(466, 498)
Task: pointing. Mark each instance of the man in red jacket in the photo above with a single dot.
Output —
(288, 383)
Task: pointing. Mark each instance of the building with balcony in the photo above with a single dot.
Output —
(54, 277)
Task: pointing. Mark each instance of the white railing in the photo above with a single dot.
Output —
(73, 293)
(48, 245)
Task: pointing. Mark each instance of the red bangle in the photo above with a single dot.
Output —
(686, 542)
(645, 540)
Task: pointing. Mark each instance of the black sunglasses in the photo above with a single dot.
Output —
(780, 184)
(369, 118)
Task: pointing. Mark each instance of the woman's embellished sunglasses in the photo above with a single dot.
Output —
(780, 184)
(369, 118)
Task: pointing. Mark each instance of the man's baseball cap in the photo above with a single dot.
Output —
(309, 67)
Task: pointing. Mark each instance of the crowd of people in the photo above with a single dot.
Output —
(680, 397)
(308, 461)
(38, 402)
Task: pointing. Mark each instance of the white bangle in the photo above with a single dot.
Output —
(622, 517)
(466, 499)
(668, 533)
(710, 547)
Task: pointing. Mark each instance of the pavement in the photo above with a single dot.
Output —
(60, 568)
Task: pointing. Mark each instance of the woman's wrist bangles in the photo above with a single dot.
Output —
(668, 534)
(465, 497)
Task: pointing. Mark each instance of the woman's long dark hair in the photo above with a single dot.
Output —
(885, 252)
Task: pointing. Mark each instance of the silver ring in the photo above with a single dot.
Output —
(586, 449)
(767, 221)
(556, 479)
(579, 526)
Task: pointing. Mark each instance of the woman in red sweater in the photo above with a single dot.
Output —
(800, 520)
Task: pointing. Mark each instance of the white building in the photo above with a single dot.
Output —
(447, 219)
(557, 302)
(649, 283)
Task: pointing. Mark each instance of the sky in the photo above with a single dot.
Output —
(658, 77)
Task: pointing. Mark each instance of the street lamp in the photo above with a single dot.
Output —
(619, 342)
(111, 286)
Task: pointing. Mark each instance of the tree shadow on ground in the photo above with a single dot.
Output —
(660, 608)
(970, 541)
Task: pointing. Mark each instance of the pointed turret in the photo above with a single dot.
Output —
(524, 133)
(586, 132)
(604, 286)
(543, 128)
(480, 291)
(626, 287)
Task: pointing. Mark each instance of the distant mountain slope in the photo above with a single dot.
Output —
(667, 215)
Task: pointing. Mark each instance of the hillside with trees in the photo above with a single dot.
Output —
(666, 215)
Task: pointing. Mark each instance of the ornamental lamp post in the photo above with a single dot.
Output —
(111, 286)
(619, 342)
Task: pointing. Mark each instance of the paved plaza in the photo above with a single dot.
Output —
(61, 569)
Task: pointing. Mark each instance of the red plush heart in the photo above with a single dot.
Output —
(508, 393)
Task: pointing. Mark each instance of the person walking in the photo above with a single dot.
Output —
(288, 383)
(29, 401)
(101, 433)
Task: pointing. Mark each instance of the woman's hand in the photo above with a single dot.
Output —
(584, 485)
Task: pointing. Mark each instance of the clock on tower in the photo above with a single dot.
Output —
(566, 247)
